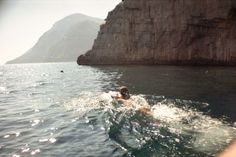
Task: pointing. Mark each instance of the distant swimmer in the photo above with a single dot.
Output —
(62, 71)
(124, 96)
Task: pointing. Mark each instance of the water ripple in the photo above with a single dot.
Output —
(46, 113)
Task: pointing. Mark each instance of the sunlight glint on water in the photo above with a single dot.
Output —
(47, 113)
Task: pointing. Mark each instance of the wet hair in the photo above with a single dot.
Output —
(124, 92)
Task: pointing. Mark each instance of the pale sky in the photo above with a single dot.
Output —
(22, 22)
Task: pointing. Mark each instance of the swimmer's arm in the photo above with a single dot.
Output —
(146, 111)
(115, 97)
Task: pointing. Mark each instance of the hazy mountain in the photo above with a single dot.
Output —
(68, 38)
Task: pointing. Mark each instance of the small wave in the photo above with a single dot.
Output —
(38, 84)
(4, 90)
(87, 101)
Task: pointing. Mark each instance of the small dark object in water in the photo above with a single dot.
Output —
(62, 71)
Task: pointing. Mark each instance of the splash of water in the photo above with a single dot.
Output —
(208, 134)
(171, 126)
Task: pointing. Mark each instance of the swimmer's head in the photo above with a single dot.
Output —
(124, 92)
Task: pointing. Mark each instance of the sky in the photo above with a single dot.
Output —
(22, 22)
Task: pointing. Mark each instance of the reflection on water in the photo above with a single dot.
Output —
(44, 112)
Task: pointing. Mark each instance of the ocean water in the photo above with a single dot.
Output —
(44, 112)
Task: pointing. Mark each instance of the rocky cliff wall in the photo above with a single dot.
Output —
(201, 32)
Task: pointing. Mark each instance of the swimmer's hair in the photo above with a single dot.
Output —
(124, 92)
(123, 89)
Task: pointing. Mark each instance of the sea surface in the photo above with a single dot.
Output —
(48, 113)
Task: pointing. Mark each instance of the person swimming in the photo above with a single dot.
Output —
(124, 96)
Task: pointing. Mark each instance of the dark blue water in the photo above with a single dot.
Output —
(44, 112)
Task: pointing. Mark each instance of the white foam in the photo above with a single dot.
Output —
(207, 133)
(138, 101)
(169, 113)
(88, 101)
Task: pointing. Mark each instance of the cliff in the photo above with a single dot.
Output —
(68, 38)
(196, 32)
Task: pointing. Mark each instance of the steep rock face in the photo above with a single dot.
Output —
(68, 38)
(197, 32)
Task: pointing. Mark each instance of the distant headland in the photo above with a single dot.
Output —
(175, 32)
(68, 38)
